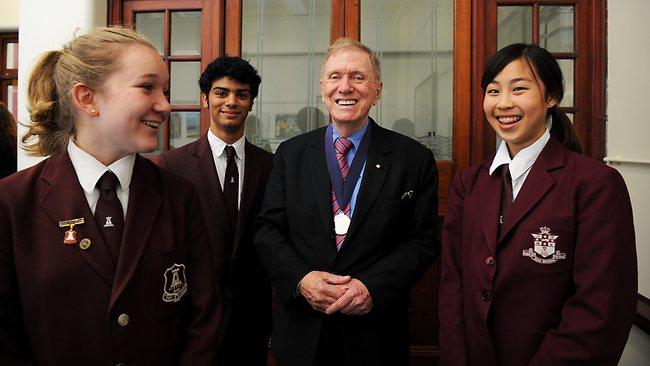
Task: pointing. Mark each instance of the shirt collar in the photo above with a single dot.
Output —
(218, 145)
(523, 160)
(355, 138)
(89, 169)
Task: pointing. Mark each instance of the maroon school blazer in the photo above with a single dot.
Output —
(70, 304)
(558, 286)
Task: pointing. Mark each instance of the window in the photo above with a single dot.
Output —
(9, 71)
(184, 35)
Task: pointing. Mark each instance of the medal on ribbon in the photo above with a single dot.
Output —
(70, 236)
(341, 223)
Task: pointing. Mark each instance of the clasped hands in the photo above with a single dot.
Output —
(329, 293)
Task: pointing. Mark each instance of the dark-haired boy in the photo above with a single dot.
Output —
(231, 175)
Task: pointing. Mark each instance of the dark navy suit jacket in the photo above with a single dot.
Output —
(391, 242)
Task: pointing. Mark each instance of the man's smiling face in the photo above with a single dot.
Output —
(349, 86)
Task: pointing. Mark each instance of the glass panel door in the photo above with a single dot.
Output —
(286, 42)
(515, 25)
(556, 28)
(414, 42)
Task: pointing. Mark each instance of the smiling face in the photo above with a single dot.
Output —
(349, 87)
(229, 102)
(515, 106)
(130, 107)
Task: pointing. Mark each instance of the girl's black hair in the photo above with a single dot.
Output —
(545, 69)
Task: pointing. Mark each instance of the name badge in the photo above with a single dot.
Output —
(341, 223)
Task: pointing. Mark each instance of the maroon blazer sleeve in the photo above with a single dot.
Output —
(14, 348)
(453, 347)
(203, 331)
(597, 319)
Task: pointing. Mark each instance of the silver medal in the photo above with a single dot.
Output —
(341, 223)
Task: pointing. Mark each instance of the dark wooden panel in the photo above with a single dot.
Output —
(233, 26)
(462, 82)
(642, 319)
(337, 25)
(599, 83)
(352, 16)
(423, 314)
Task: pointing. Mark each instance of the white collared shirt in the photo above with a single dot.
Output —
(522, 162)
(218, 147)
(89, 170)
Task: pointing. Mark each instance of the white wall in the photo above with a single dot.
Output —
(628, 131)
(47, 25)
(628, 112)
(8, 15)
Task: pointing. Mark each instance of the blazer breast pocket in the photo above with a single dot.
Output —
(545, 246)
(167, 281)
(396, 205)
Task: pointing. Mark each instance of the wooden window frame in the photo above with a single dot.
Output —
(7, 76)
(123, 11)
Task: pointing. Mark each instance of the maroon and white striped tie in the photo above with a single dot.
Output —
(341, 145)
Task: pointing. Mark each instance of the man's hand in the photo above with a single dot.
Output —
(355, 301)
(322, 289)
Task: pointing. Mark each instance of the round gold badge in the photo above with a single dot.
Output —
(84, 244)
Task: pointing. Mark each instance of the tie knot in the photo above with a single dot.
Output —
(342, 145)
(108, 181)
(230, 152)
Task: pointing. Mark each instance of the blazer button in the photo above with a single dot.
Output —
(123, 320)
(229, 294)
(489, 261)
(486, 295)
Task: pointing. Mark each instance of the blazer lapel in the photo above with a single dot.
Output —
(144, 203)
(252, 173)
(376, 169)
(320, 180)
(490, 204)
(537, 183)
(209, 183)
(65, 200)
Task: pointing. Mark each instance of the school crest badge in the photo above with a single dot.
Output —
(175, 283)
(543, 250)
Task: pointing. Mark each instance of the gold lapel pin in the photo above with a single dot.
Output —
(84, 244)
(70, 236)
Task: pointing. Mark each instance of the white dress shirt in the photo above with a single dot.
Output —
(218, 147)
(522, 162)
(89, 170)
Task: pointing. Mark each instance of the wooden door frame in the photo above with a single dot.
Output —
(233, 27)
(349, 25)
